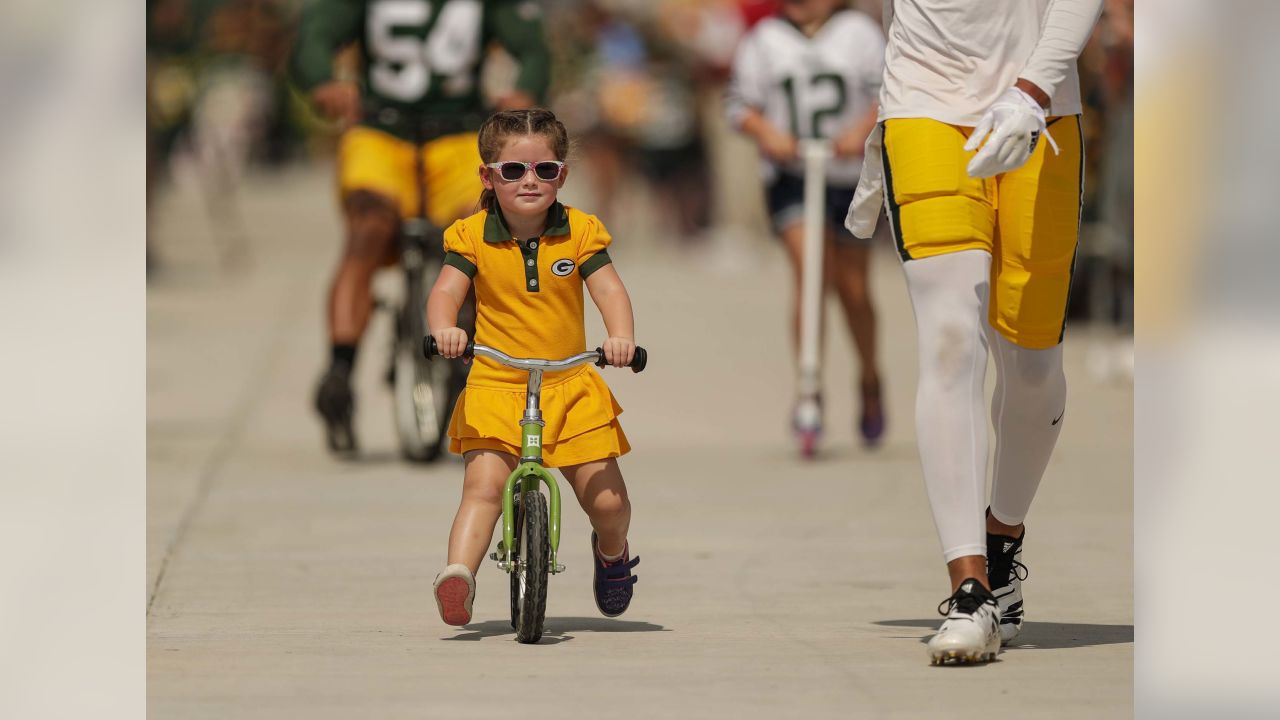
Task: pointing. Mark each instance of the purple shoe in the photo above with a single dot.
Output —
(614, 583)
(871, 423)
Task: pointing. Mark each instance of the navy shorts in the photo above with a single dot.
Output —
(785, 198)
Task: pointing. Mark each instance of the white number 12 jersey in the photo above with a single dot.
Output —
(812, 87)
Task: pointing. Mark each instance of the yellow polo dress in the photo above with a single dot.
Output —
(529, 304)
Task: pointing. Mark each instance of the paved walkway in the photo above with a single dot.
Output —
(285, 584)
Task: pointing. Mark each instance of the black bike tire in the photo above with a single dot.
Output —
(430, 451)
(411, 329)
(529, 610)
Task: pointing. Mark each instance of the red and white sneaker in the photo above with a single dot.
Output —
(455, 589)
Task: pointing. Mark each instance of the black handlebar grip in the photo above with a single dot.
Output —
(431, 351)
(638, 360)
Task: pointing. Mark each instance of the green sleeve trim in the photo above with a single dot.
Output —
(326, 26)
(594, 263)
(463, 264)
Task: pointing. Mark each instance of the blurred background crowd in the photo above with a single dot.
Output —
(639, 84)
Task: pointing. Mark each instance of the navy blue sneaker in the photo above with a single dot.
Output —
(614, 583)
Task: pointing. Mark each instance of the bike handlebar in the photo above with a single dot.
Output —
(638, 361)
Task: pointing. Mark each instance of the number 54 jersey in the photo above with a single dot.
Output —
(811, 87)
(422, 58)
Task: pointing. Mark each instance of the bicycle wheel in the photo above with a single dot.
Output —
(529, 579)
(422, 404)
(423, 391)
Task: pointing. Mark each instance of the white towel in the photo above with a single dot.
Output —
(869, 197)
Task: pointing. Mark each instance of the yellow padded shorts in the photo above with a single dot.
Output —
(1027, 219)
(372, 160)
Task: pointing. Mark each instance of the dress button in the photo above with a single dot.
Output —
(533, 283)
(533, 244)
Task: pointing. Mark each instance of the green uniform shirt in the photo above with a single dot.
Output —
(422, 58)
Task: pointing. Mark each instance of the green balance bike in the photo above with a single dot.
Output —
(530, 519)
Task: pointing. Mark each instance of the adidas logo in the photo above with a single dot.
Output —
(1008, 545)
(967, 587)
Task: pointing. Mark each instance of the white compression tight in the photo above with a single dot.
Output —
(949, 294)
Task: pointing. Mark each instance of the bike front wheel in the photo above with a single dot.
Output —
(529, 577)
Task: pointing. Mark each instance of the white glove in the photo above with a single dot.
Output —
(1015, 122)
(864, 211)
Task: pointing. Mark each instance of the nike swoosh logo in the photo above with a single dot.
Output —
(1055, 422)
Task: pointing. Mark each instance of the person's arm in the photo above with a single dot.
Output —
(851, 142)
(1067, 27)
(326, 27)
(443, 303)
(779, 145)
(866, 55)
(610, 296)
(517, 26)
(1008, 132)
(450, 291)
(744, 99)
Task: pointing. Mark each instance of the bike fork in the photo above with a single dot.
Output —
(525, 478)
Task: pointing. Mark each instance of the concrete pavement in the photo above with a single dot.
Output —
(285, 584)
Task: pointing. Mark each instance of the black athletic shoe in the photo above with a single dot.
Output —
(1006, 572)
(336, 406)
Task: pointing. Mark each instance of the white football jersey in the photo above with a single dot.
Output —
(950, 59)
(813, 87)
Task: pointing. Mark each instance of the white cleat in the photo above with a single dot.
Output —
(1006, 573)
(971, 632)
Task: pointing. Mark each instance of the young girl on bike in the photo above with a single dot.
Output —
(529, 256)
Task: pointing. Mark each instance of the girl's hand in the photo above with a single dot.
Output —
(618, 351)
(779, 145)
(450, 341)
(850, 143)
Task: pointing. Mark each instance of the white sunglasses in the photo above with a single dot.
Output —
(514, 170)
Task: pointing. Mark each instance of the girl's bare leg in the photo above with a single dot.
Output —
(849, 276)
(603, 496)
(481, 506)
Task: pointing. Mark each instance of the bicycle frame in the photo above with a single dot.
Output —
(528, 474)
(530, 471)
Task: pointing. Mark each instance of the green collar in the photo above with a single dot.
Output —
(495, 227)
